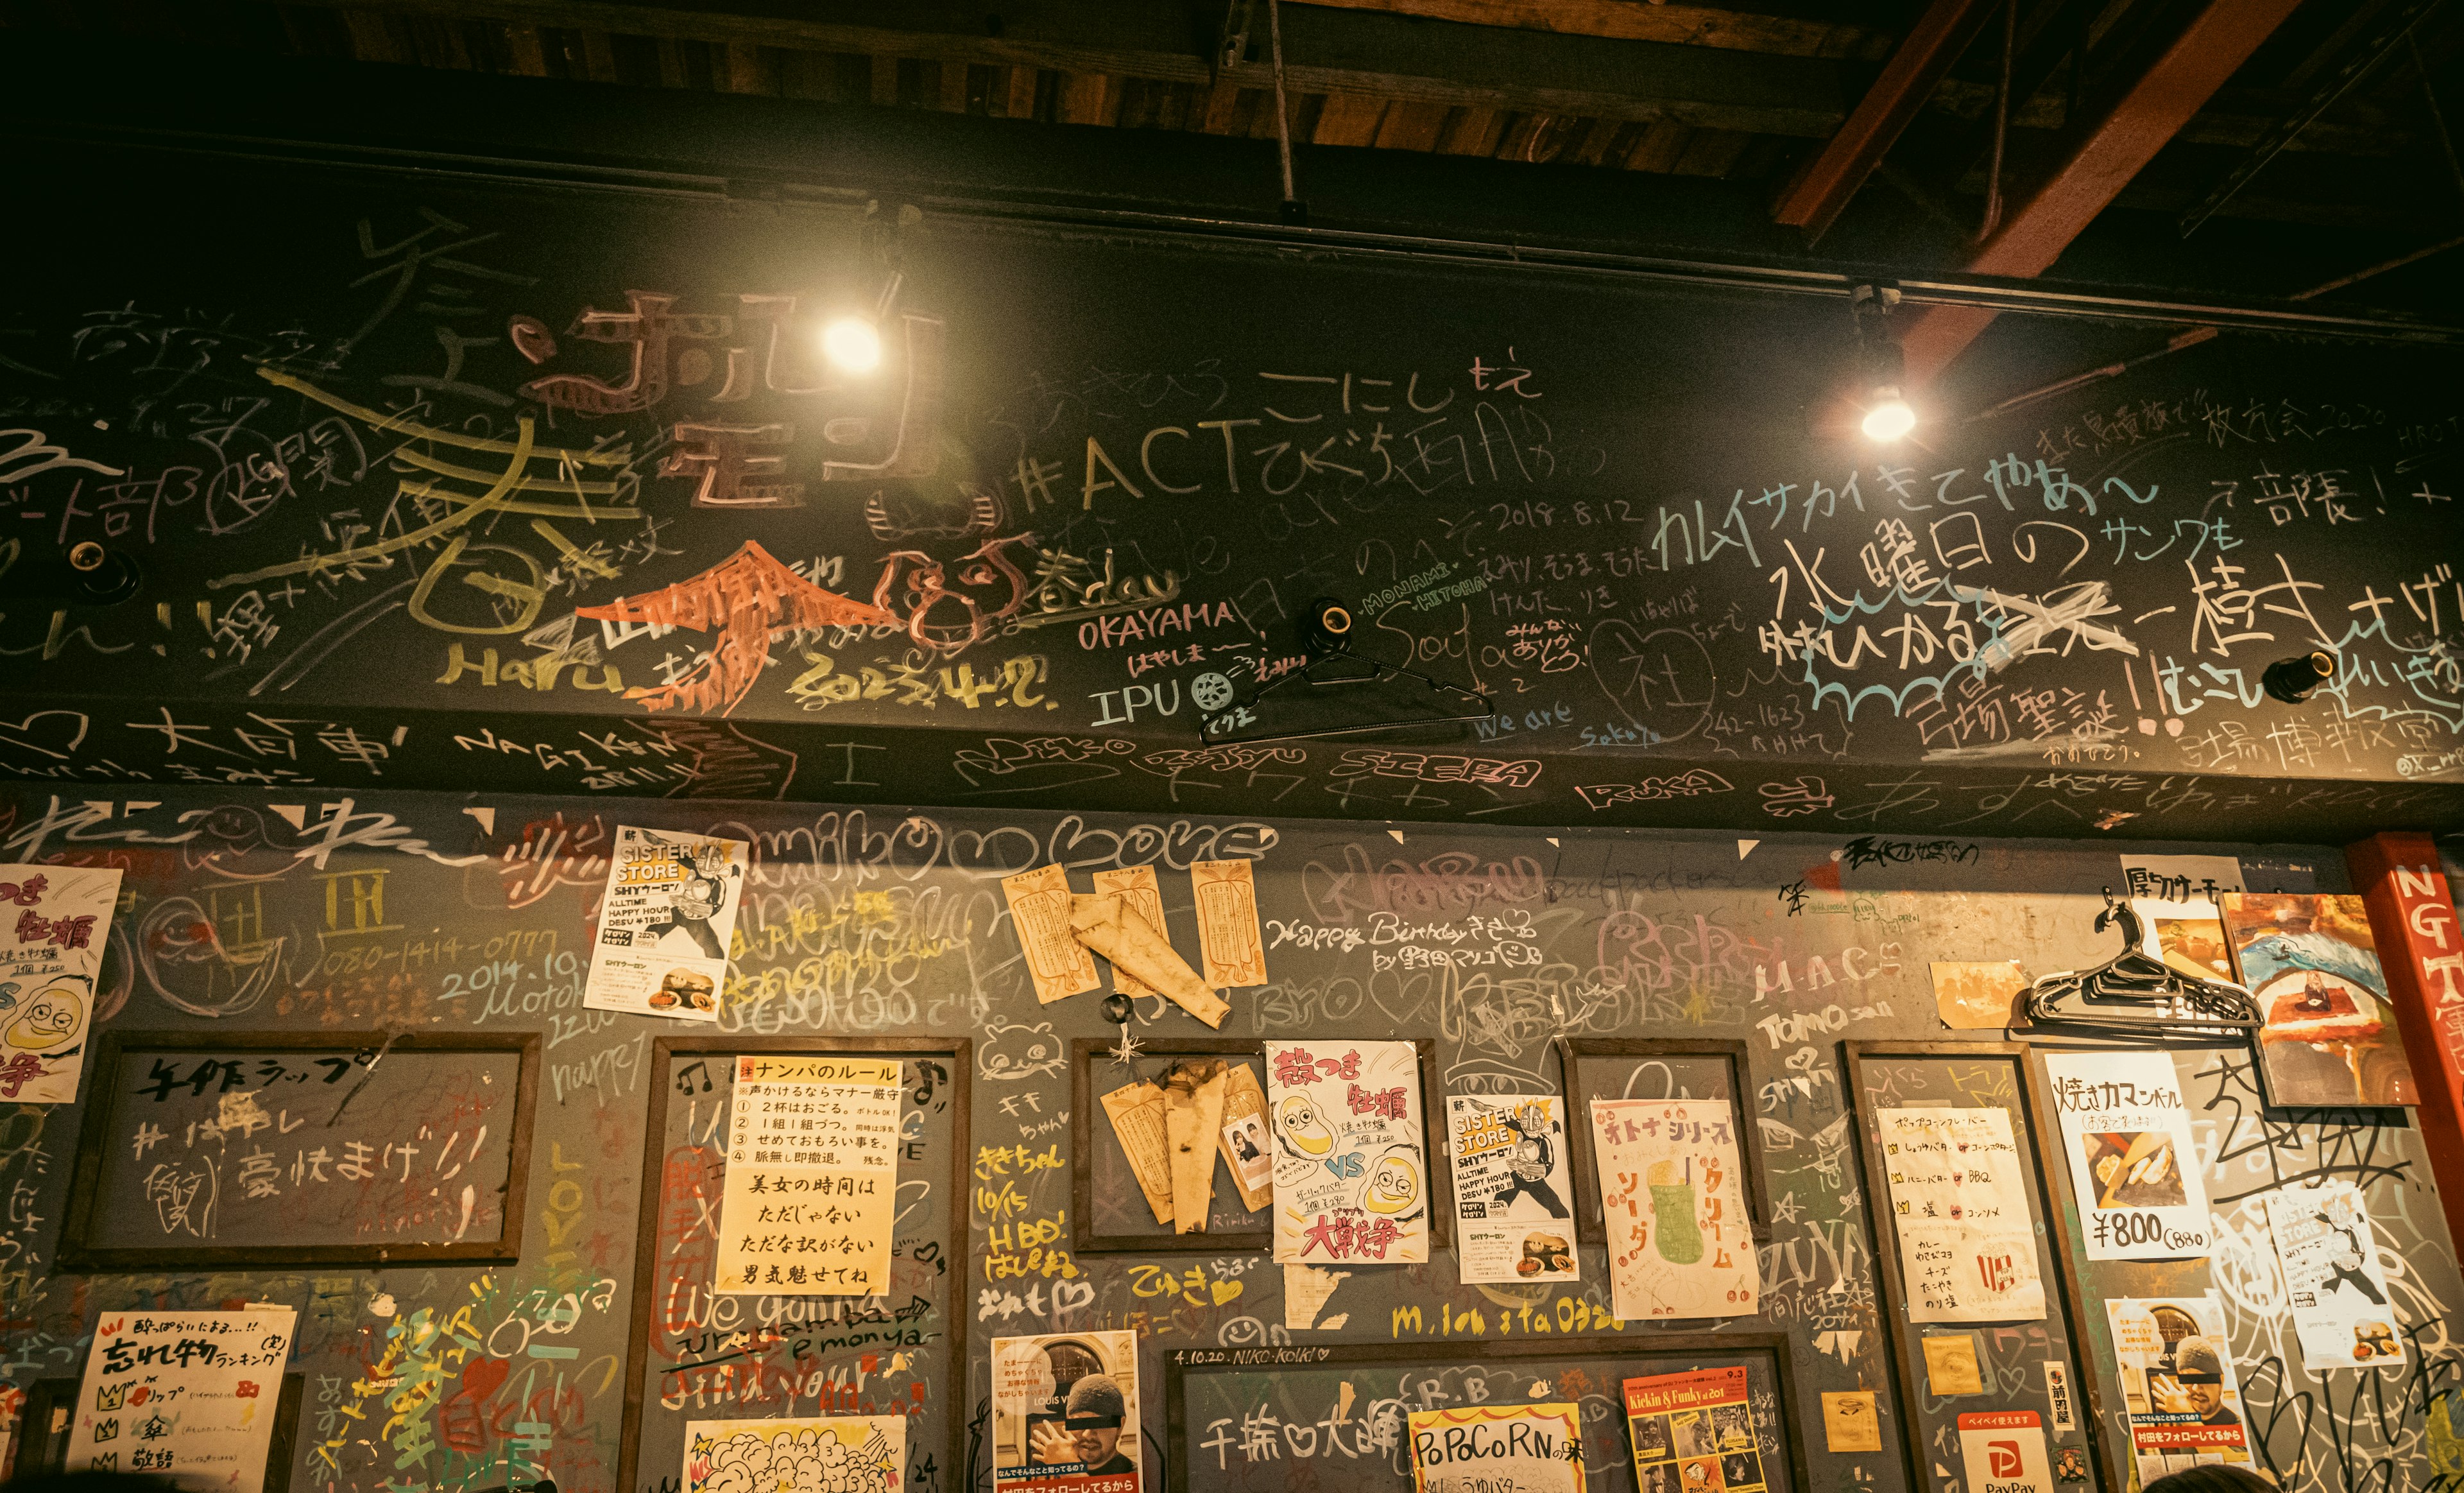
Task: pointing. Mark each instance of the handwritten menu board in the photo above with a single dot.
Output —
(1959, 1192)
(302, 1147)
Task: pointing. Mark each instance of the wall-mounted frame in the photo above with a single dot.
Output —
(673, 1063)
(1575, 1052)
(192, 1154)
(1093, 1148)
(2039, 1149)
(1110, 1216)
(1184, 1366)
(40, 1447)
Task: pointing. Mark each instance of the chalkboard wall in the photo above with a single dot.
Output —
(888, 922)
(434, 484)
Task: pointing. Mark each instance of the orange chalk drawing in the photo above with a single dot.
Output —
(747, 598)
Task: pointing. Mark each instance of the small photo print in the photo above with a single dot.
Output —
(2134, 1169)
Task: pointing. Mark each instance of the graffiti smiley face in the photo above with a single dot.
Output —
(1302, 1127)
(53, 1017)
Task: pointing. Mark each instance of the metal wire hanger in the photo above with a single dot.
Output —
(2135, 994)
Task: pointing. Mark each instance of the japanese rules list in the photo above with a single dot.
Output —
(1680, 1242)
(812, 1177)
(1968, 1247)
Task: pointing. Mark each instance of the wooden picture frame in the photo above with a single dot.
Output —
(1590, 1227)
(38, 1451)
(79, 1255)
(1089, 1129)
(1181, 1362)
(960, 1050)
(2035, 1109)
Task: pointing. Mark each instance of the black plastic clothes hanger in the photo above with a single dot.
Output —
(2133, 995)
(1322, 634)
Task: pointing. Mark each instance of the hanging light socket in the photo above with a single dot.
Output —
(1881, 368)
(2292, 680)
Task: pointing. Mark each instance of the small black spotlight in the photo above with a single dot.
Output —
(2292, 680)
(1326, 626)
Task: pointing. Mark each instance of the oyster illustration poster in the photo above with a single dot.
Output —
(665, 924)
(2134, 1167)
(1681, 1244)
(53, 922)
(1515, 1218)
(1352, 1166)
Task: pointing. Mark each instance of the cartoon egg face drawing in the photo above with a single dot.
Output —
(1302, 1127)
(1393, 1187)
(49, 1019)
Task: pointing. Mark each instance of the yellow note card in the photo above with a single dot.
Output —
(1850, 1422)
(1950, 1364)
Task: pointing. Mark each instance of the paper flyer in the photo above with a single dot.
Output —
(1065, 1414)
(796, 1454)
(182, 1396)
(1535, 1448)
(1228, 936)
(665, 924)
(1352, 1168)
(1039, 913)
(2341, 1311)
(1514, 1217)
(54, 923)
(2134, 1169)
(1959, 1197)
(1693, 1433)
(1136, 1112)
(2180, 878)
(811, 1188)
(2003, 1451)
(1681, 1244)
(2181, 1399)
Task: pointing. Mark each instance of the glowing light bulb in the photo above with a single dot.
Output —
(1889, 420)
(851, 343)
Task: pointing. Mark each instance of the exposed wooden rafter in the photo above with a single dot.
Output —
(1821, 188)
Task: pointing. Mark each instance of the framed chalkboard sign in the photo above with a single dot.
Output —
(301, 1148)
(1347, 1407)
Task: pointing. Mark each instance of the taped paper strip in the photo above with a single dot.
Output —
(1228, 935)
(1039, 908)
(1137, 1113)
(1141, 899)
(1104, 923)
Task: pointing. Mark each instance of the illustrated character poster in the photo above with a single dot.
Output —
(184, 1397)
(2134, 1167)
(2181, 1399)
(1352, 1170)
(1693, 1433)
(1681, 1244)
(665, 924)
(2342, 1309)
(796, 1454)
(2330, 1036)
(1514, 1212)
(1959, 1197)
(53, 922)
(1065, 1414)
(1535, 1448)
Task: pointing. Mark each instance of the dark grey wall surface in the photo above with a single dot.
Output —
(888, 922)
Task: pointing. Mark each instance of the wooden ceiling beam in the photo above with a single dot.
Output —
(1326, 51)
(2173, 86)
(1823, 187)
(1641, 20)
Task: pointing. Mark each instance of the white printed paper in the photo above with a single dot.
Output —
(1352, 1170)
(2134, 1167)
(1681, 1244)
(2181, 1399)
(665, 924)
(53, 922)
(1959, 1195)
(184, 1395)
(1515, 1214)
(2342, 1309)
(2057, 1394)
(2003, 1451)
(796, 1454)
(2181, 878)
(811, 1190)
